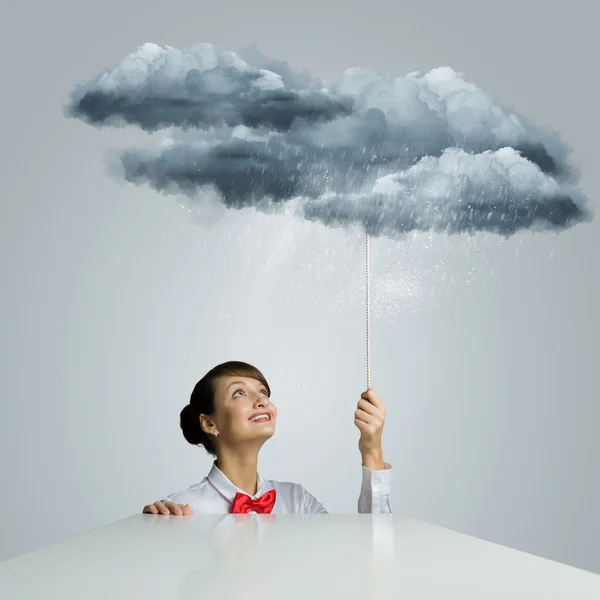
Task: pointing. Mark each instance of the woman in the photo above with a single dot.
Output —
(231, 414)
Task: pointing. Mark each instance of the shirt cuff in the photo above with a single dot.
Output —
(379, 482)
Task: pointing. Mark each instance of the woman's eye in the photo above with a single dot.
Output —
(238, 392)
(265, 393)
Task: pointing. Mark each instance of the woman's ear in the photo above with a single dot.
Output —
(206, 424)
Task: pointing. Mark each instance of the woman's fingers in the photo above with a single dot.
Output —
(161, 508)
(363, 416)
(173, 508)
(364, 422)
(371, 396)
(372, 405)
(168, 508)
(367, 407)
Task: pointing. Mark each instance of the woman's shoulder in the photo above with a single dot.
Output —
(287, 487)
(296, 498)
(195, 490)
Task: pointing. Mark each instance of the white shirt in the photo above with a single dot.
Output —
(215, 494)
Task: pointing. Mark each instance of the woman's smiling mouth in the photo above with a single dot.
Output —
(260, 417)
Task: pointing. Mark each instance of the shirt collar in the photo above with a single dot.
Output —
(220, 482)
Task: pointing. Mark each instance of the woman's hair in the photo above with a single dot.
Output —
(202, 401)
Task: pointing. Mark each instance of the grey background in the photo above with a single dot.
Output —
(115, 300)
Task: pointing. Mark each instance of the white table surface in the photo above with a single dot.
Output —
(285, 557)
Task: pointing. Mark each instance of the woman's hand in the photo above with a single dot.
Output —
(370, 418)
(168, 508)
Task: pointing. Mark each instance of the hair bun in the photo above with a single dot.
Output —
(190, 425)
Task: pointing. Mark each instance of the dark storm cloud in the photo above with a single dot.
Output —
(421, 152)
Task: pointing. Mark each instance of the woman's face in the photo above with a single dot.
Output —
(243, 411)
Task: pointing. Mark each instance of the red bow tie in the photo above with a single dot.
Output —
(242, 503)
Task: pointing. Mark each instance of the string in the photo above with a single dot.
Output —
(368, 304)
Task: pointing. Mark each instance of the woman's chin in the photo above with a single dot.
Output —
(265, 434)
(268, 433)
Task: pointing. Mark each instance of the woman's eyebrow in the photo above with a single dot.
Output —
(244, 383)
(236, 383)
